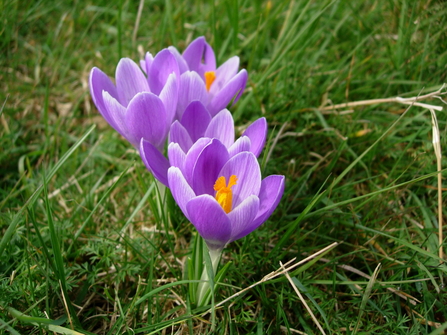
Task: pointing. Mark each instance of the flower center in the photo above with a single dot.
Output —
(224, 194)
(210, 76)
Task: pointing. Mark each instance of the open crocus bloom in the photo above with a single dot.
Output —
(197, 123)
(223, 196)
(201, 80)
(138, 106)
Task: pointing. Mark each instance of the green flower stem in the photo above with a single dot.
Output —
(162, 205)
(161, 192)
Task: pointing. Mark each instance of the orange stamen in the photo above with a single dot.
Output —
(210, 76)
(224, 194)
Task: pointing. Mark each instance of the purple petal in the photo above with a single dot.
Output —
(210, 220)
(257, 132)
(155, 161)
(180, 189)
(130, 81)
(242, 144)
(162, 67)
(146, 63)
(222, 128)
(246, 169)
(224, 74)
(176, 156)
(115, 113)
(178, 134)
(272, 189)
(242, 217)
(183, 67)
(146, 118)
(209, 60)
(191, 157)
(100, 82)
(208, 164)
(169, 96)
(234, 87)
(194, 53)
(196, 119)
(191, 88)
(241, 78)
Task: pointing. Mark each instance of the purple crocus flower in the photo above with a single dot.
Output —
(197, 123)
(224, 197)
(139, 106)
(201, 80)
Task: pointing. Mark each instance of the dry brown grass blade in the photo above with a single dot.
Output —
(275, 141)
(276, 273)
(412, 300)
(421, 318)
(137, 21)
(66, 307)
(413, 101)
(294, 331)
(300, 296)
(438, 153)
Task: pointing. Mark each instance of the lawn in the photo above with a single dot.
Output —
(354, 246)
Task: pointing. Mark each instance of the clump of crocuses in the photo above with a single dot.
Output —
(181, 99)
(144, 102)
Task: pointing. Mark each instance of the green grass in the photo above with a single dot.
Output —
(82, 245)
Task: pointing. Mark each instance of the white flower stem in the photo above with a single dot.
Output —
(204, 286)
(215, 258)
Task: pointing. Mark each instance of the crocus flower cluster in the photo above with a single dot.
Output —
(181, 99)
